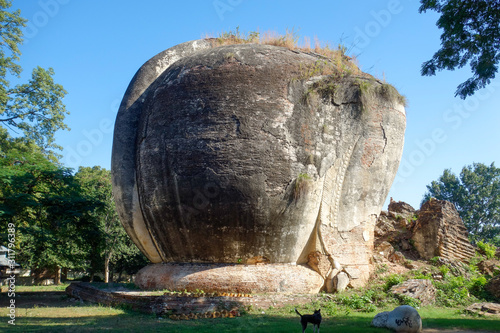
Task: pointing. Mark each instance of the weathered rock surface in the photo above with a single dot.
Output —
(489, 266)
(385, 249)
(393, 229)
(283, 278)
(397, 258)
(420, 289)
(493, 286)
(403, 319)
(484, 308)
(439, 231)
(457, 267)
(401, 209)
(219, 157)
(340, 282)
(386, 229)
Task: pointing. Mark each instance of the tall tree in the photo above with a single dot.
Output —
(44, 203)
(471, 34)
(107, 239)
(476, 195)
(34, 108)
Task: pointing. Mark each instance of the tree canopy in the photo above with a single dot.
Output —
(476, 195)
(107, 241)
(34, 108)
(471, 35)
(44, 203)
(61, 219)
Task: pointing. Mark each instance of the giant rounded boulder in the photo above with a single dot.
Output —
(241, 160)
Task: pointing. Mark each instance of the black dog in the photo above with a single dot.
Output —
(315, 319)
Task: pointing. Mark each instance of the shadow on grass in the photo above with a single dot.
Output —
(85, 320)
(37, 299)
(491, 324)
(137, 322)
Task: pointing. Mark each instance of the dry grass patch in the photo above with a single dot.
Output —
(335, 58)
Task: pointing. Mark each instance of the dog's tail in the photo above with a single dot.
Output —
(298, 312)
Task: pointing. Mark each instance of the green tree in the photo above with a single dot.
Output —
(476, 195)
(44, 203)
(108, 242)
(61, 220)
(34, 108)
(471, 34)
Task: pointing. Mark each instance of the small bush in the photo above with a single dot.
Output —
(487, 249)
(392, 280)
(434, 260)
(381, 269)
(330, 309)
(476, 285)
(407, 300)
(363, 303)
(419, 275)
(444, 270)
(459, 291)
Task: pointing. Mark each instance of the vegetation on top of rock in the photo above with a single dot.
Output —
(369, 90)
(333, 63)
(334, 58)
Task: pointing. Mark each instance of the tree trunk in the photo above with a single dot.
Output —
(57, 278)
(106, 269)
(64, 275)
(119, 276)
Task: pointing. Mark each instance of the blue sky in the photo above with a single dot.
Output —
(95, 48)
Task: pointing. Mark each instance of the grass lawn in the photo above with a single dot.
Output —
(40, 311)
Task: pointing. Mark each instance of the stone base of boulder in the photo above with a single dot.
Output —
(234, 278)
(179, 305)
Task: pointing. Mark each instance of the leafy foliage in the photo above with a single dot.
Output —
(408, 300)
(458, 291)
(107, 241)
(489, 250)
(60, 219)
(476, 195)
(471, 34)
(364, 303)
(393, 280)
(44, 202)
(36, 107)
